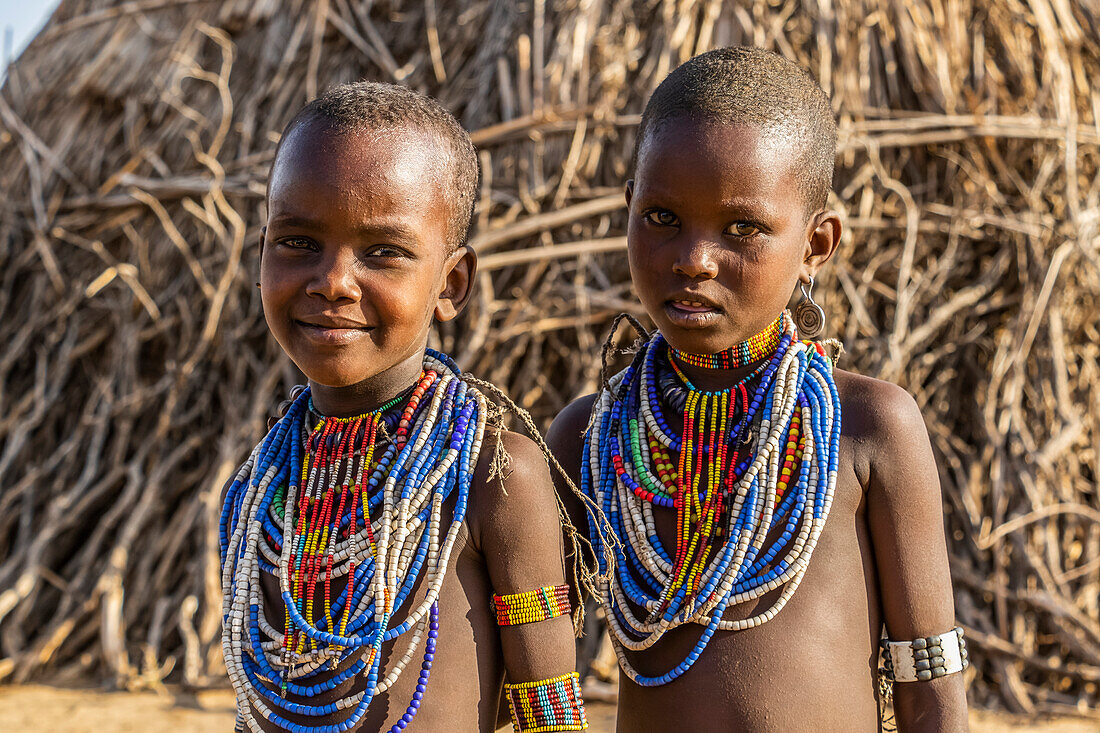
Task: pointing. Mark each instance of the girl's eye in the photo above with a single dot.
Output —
(662, 218)
(385, 251)
(744, 229)
(296, 243)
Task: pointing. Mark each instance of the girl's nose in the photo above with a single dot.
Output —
(694, 259)
(335, 277)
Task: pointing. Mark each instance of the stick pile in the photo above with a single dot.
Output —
(136, 370)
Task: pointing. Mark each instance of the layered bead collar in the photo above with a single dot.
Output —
(753, 461)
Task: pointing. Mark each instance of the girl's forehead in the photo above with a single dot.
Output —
(362, 186)
(729, 146)
(358, 156)
(719, 164)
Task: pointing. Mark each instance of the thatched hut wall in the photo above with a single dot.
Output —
(136, 369)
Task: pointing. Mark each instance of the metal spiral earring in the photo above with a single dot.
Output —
(808, 316)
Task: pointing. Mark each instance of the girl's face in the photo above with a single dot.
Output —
(356, 256)
(718, 235)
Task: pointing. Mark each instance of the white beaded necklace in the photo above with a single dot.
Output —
(436, 462)
(796, 386)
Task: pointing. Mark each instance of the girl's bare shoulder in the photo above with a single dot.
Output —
(880, 420)
(875, 409)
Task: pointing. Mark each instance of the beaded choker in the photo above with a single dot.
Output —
(344, 503)
(758, 347)
(756, 460)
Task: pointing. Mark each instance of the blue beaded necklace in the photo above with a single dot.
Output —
(745, 467)
(308, 507)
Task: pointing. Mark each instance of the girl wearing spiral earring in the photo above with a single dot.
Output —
(731, 443)
(808, 315)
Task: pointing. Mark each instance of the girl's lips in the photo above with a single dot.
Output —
(690, 314)
(329, 336)
(692, 306)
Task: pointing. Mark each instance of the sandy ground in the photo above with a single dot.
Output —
(40, 709)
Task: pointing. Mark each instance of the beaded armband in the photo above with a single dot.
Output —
(547, 705)
(924, 659)
(540, 604)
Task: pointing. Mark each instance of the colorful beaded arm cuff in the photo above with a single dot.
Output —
(540, 604)
(924, 659)
(547, 705)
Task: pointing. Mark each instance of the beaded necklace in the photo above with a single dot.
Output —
(345, 500)
(749, 461)
(747, 352)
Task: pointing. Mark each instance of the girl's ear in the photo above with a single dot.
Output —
(822, 239)
(458, 283)
(629, 192)
(263, 239)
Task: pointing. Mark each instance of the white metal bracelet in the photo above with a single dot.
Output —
(924, 659)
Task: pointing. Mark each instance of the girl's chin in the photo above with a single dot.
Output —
(363, 373)
(334, 376)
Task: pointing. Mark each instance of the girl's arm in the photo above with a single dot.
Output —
(904, 509)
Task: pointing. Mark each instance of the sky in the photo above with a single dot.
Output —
(24, 18)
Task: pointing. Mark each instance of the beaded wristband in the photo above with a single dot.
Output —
(924, 659)
(547, 705)
(540, 604)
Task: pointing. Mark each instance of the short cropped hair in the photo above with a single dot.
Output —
(379, 106)
(751, 86)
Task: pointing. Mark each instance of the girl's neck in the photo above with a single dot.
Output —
(369, 394)
(717, 380)
(717, 372)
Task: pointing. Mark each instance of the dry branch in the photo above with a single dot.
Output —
(134, 143)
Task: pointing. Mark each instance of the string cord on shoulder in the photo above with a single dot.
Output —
(584, 570)
(608, 348)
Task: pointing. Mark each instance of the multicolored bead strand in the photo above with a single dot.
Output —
(750, 351)
(756, 460)
(342, 501)
(547, 705)
(541, 604)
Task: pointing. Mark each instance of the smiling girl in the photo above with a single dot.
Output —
(370, 565)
